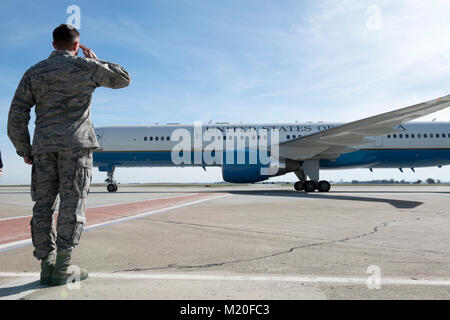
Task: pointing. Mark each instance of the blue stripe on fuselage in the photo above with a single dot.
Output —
(135, 159)
(374, 158)
(390, 158)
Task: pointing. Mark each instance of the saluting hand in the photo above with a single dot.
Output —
(88, 53)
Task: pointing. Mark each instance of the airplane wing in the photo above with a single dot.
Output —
(331, 143)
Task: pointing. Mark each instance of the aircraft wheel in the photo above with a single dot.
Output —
(299, 186)
(310, 186)
(323, 186)
(112, 187)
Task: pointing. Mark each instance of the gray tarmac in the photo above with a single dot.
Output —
(253, 242)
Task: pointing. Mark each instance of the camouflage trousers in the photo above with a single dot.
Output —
(67, 174)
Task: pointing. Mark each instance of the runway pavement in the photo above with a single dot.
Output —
(243, 242)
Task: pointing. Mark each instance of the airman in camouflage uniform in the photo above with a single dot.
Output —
(61, 88)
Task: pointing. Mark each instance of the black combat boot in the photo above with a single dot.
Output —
(64, 272)
(47, 266)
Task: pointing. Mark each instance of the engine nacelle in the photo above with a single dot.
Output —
(249, 172)
(243, 173)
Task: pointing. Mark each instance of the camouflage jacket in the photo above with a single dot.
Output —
(61, 88)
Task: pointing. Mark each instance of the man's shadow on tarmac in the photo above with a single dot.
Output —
(11, 291)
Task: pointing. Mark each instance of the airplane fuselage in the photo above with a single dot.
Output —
(416, 144)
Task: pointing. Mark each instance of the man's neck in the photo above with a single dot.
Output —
(69, 51)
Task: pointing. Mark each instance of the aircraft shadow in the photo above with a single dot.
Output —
(387, 191)
(10, 291)
(400, 204)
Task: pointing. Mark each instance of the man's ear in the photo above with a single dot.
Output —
(76, 47)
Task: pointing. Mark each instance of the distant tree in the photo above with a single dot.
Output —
(431, 181)
(418, 182)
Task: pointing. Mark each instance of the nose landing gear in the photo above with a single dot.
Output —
(112, 185)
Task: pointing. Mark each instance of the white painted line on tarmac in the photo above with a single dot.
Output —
(18, 217)
(22, 243)
(128, 202)
(104, 205)
(267, 278)
(149, 213)
(272, 278)
(14, 245)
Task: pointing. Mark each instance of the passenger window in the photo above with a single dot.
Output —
(437, 135)
(406, 136)
(288, 137)
(413, 136)
(168, 138)
(156, 138)
(394, 136)
(145, 138)
(293, 137)
(162, 138)
(431, 135)
(388, 136)
(400, 135)
(425, 135)
(150, 138)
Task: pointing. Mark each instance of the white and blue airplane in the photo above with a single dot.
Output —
(383, 141)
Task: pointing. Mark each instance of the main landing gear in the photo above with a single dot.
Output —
(311, 186)
(310, 168)
(112, 185)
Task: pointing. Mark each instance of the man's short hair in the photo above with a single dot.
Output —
(64, 35)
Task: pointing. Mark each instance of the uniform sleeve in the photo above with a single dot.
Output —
(19, 117)
(111, 75)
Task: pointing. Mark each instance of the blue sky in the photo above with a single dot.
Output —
(249, 61)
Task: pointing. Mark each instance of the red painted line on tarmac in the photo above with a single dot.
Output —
(19, 229)
(14, 230)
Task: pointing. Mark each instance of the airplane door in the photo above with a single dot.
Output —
(378, 141)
